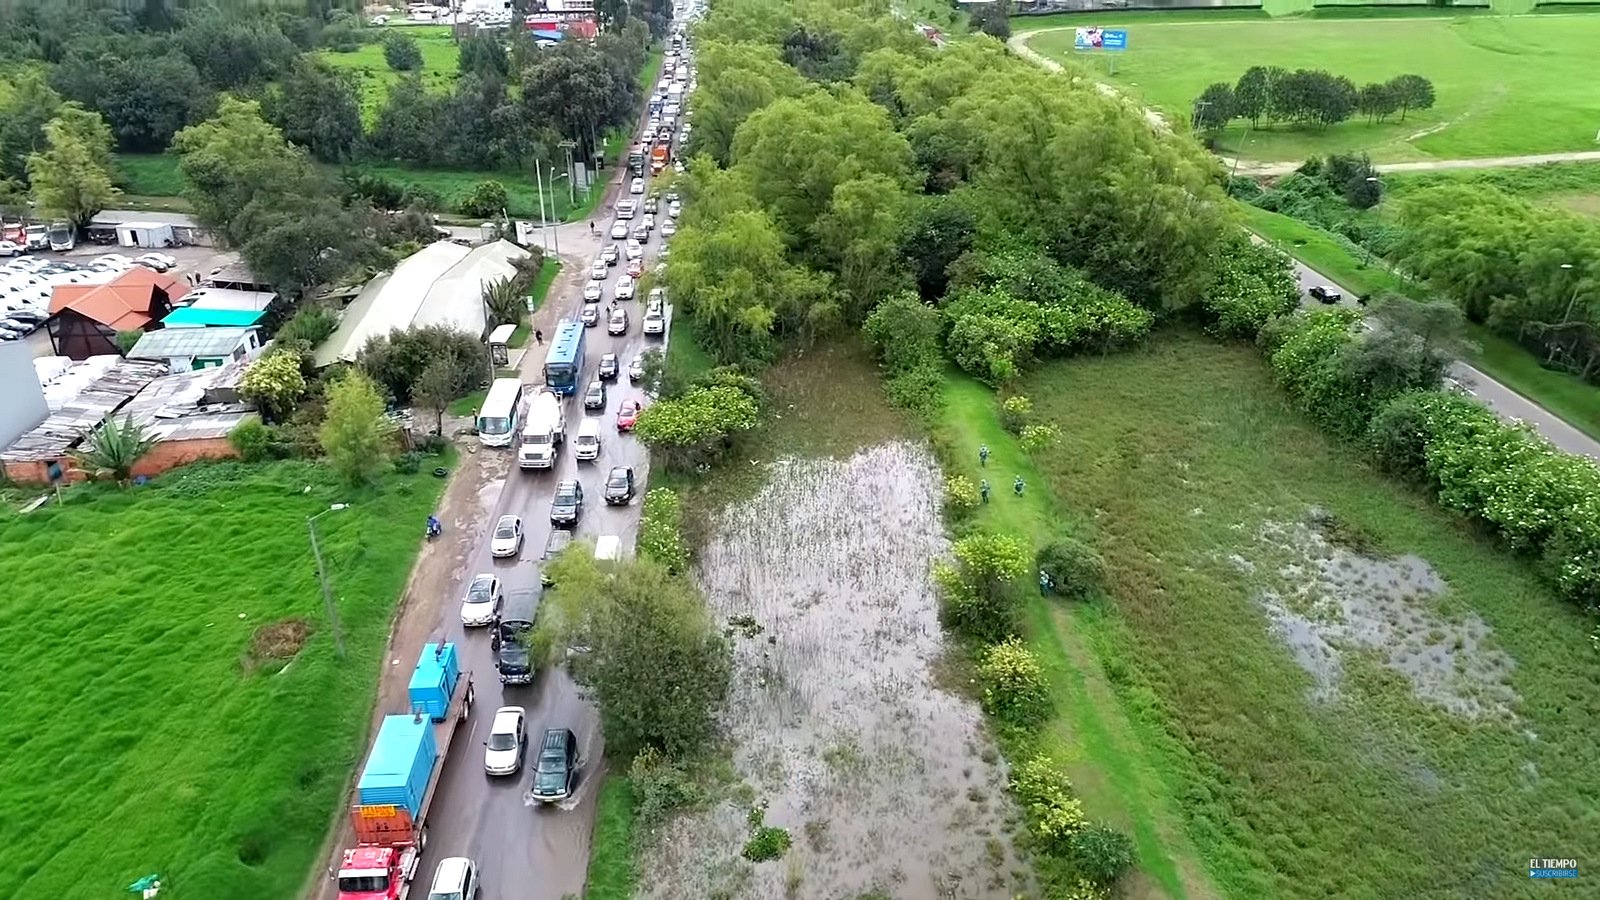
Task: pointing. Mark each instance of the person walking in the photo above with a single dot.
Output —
(983, 455)
(538, 336)
(983, 488)
(591, 226)
(1044, 583)
(1016, 486)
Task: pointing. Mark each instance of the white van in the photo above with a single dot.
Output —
(546, 429)
(587, 445)
(456, 879)
(608, 548)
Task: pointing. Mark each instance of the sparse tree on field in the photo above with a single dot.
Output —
(436, 387)
(274, 383)
(1253, 92)
(114, 448)
(1411, 92)
(71, 177)
(1214, 108)
(401, 52)
(355, 434)
(1377, 101)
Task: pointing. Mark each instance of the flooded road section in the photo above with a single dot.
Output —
(884, 781)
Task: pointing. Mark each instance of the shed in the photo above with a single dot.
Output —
(197, 348)
(500, 342)
(145, 234)
(205, 316)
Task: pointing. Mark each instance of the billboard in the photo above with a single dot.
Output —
(1094, 38)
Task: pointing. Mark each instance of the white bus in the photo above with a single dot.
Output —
(501, 413)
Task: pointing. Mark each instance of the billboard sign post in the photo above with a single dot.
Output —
(1095, 38)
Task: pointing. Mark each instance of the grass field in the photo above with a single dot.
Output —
(144, 733)
(1505, 86)
(1571, 186)
(1368, 793)
(1563, 394)
(612, 872)
(440, 56)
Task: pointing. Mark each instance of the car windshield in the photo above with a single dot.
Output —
(619, 479)
(444, 895)
(364, 884)
(551, 762)
(502, 740)
(565, 495)
(480, 592)
(505, 530)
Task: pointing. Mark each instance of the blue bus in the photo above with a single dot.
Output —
(563, 367)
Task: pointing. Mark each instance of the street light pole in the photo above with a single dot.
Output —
(322, 576)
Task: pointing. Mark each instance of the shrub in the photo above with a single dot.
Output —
(960, 496)
(486, 200)
(1101, 854)
(660, 786)
(661, 530)
(252, 440)
(1015, 412)
(1053, 815)
(311, 325)
(354, 433)
(1250, 284)
(401, 52)
(1397, 436)
(920, 390)
(978, 594)
(767, 843)
(1039, 437)
(1076, 569)
(1014, 687)
(905, 334)
(408, 463)
(274, 383)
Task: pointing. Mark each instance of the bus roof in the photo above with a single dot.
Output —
(564, 346)
(502, 394)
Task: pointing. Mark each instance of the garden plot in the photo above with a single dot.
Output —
(1328, 601)
(884, 782)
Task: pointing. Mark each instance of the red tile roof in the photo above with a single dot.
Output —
(124, 303)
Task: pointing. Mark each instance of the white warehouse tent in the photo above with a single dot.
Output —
(441, 284)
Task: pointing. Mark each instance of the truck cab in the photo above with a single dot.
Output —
(377, 873)
(545, 431)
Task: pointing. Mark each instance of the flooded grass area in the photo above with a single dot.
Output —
(1348, 691)
(814, 545)
(883, 780)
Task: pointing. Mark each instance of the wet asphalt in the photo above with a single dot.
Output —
(540, 853)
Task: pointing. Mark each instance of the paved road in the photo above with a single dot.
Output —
(1503, 400)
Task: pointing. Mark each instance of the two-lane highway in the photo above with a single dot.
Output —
(532, 853)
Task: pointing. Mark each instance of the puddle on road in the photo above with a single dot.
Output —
(1328, 601)
(880, 777)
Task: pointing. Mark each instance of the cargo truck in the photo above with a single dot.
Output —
(659, 156)
(542, 436)
(62, 236)
(398, 782)
(37, 236)
(636, 160)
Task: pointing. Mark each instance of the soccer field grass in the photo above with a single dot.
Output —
(1505, 85)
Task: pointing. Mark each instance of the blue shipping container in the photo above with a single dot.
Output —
(434, 680)
(398, 768)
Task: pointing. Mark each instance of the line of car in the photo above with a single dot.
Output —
(27, 282)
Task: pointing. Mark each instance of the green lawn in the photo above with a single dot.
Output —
(1505, 85)
(1572, 186)
(1372, 793)
(141, 735)
(611, 867)
(1560, 393)
(440, 56)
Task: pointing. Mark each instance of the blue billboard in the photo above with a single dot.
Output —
(1100, 39)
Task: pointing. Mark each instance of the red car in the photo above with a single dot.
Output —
(635, 267)
(628, 415)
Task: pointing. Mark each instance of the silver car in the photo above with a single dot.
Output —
(507, 540)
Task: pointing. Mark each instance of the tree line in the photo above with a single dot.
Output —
(150, 76)
(1267, 95)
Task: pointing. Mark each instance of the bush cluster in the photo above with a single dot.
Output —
(661, 786)
(1014, 688)
(1250, 284)
(978, 594)
(1076, 569)
(905, 333)
(661, 530)
(1097, 853)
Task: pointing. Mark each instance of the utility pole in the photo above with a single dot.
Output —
(322, 576)
(572, 196)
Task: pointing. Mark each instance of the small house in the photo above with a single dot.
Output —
(183, 349)
(85, 318)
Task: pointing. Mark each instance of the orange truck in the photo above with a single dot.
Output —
(659, 157)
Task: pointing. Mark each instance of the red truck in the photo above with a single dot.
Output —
(659, 157)
(399, 779)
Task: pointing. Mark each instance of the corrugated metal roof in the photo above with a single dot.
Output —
(228, 298)
(66, 427)
(204, 342)
(175, 407)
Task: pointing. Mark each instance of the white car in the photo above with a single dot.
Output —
(599, 271)
(669, 228)
(158, 261)
(593, 292)
(619, 230)
(674, 208)
(482, 602)
(649, 220)
(624, 288)
(618, 325)
(9, 248)
(507, 540)
(635, 250)
(637, 187)
(508, 738)
(658, 296)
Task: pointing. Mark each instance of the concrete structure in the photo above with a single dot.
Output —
(441, 284)
(84, 318)
(183, 349)
(22, 403)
